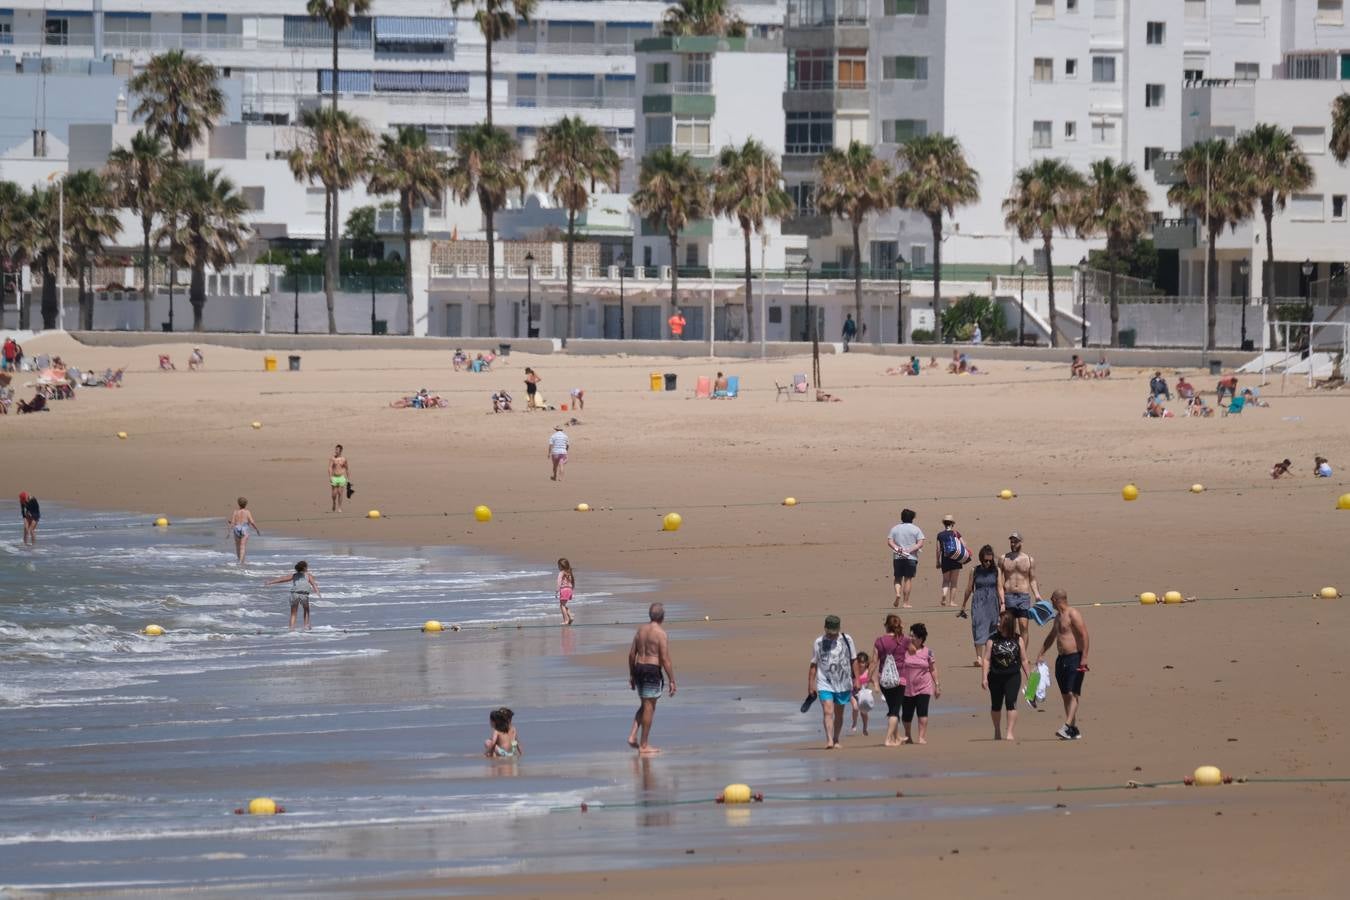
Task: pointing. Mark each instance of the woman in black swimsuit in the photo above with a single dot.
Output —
(531, 387)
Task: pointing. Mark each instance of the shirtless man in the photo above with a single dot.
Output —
(1019, 582)
(1069, 631)
(649, 668)
(338, 473)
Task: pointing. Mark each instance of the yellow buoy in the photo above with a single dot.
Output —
(1148, 598)
(373, 514)
(262, 806)
(1197, 489)
(1329, 593)
(433, 626)
(121, 435)
(1172, 597)
(736, 793)
(1129, 492)
(672, 522)
(482, 513)
(1343, 502)
(161, 522)
(256, 425)
(153, 630)
(583, 507)
(1005, 494)
(789, 501)
(1208, 776)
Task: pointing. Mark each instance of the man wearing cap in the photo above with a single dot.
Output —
(952, 555)
(905, 541)
(833, 677)
(1019, 582)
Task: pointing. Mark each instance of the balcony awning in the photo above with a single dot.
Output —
(417, 82)
(414, 29)
(349, 82)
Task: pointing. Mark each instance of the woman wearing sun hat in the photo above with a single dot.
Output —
(951, 556)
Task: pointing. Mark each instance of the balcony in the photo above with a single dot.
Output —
(1175, 234)
(827, 13)
(1319, 65)
(564, 102)
(694, 150)
(563, 48)
(390, 221)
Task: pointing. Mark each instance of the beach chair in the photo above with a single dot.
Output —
(799, 384)
(703, 389)
(733, 386)
(1235, 406)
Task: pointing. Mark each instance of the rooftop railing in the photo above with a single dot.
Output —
(826, 13)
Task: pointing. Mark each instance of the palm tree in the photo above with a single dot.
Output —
(1115, 204)
(210, 227)
(44, 243)
(487, 164)
(134, 172)
(1277, 167)
(747, 189)
(1216, 190)
(853, 184)
(702, 17)
(497, 20)
(15, 228)
(937, 178)
(672, 192)
(337, 155)
(90, 222)
(1047, 196)
(407, 166)
(571, 158)
(1340, 128)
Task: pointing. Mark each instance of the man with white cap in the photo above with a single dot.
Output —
(1019, 582)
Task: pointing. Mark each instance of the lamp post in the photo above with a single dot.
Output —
(373, 261)
(621, 262)
(529, 294)
(807, 262)
(1245, 268)
(60, 178)
(295, 281)
(1022, 301)
(899, 298)
(1082, 286)
(1307, 268)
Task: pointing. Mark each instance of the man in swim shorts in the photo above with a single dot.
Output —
(649, 669)
(905, 541)
(1019, 582)
(833, 677)
(1070, 633)
(338, 473)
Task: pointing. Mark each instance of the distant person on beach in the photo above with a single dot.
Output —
(195, 359)
(921, 682)
(1005, 665)
(339, 472)
(1185, 390)
(1069, 632)
(578, 399)
(566, 585)
(558, 445)
(1321, 468)
(241, 520)
(889, 667)
(676, 323)
(833, 677)
(532, 380)
(984, 593)
(32, 514)
(649, 669)
(905, 541)
(302, 585)
(850, 331)
(1281, 469)
(1227, 387)
(951, 556)
(1157, 386)
(720, 385)
(1077, 368)
(503, 743)
(863, 700)
(1019, 582)
(13, 355)
(1103, 368)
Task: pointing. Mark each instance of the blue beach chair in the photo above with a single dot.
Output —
(733, 386)
(1235, 406)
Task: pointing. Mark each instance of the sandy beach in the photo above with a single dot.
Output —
(1247, 678)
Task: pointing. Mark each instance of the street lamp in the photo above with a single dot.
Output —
(295, 282)
(899, 298)
(808, 262)
(1022, 301)
(621, 262)
(60, 178)
(1307, 269)
(1245, 268)
(529, 294)
(373, 260)
(1082, 278)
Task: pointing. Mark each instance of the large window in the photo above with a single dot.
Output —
(1104, 9)
(902, 131)
(1151, 155)
(694, 135)
(905, 7)
(1043, 69)
(57, 32)
(1248, 10)
(1104, 69)
(414, 35)
(810, 70)
(660, 130)
(1104, 132)
(811, 132)
(1306, 208)
(853, 69)
(906, 68)
(1330, 12)
(1311, 139)
(658, 73)
(696, 68)
(1153, 95)
(1156, 32)
(803, 197)
(1246, 71)
(1196, 9)
(1042, 134)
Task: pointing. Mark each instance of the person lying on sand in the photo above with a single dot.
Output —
(822, 397)
(1156, 410)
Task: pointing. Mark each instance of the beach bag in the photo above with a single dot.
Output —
(865, 699)
(953, 548)
(890, 672)
(1037, 684)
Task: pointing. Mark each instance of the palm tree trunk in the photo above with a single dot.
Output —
(49, 298)
(674, 271)
(1050, 289)
(936, 222)
(197, 292)
(146, 290)
(488, 67)
(330, 264)
(405, 210)
(749, 293)
(1112, 287)
(571, 235)
(492, 271)
(1212, 286)
(857, 273)
(85, 301)
(1268, 271)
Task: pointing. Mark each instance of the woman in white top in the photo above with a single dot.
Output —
(557, 451)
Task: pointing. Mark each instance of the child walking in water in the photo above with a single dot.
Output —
(302, 585)
(863, 700)
(241, 520)
(504, 743)
(567, 583)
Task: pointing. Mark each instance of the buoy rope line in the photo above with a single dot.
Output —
(929, 795)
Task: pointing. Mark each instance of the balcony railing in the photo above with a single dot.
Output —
(572, 102)
(154, 41)
(807, 149)
(691, 149)
(1320, 65)
(826, 13)
(565, 48)
(390, 221)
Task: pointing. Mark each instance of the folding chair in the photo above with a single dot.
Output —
(733, 386)
(703, 390)
(1235, 406)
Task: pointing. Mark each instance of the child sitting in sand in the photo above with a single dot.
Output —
(1280, 469)
(862, 701)
(501, 401)
(503, 744)
(165, 363)
(1321, 468)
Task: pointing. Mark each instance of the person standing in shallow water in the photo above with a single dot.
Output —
(241, 520)
(302, 585)
(32, 514)
(649, 669)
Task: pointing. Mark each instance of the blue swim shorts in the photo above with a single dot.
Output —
(840, 697)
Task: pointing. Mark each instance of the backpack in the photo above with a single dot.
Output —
(890, 673)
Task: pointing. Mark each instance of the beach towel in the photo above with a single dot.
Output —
(1041, 611)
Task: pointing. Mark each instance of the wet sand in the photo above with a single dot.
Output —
(1246, 679)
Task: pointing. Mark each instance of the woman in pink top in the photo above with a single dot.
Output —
(890, 647)
(921, 684)
(567, 583)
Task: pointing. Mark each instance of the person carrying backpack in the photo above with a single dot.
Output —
(952, 555)
(888, 662)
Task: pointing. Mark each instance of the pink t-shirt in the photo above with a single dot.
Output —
(917, 672)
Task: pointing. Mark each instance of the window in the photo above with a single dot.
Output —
(1043, 69)
(6, 32)
(906, 7)
(1104, 9)
(1330, 12)
(1070, 68)
(1338, 207)
(1196, 9)
(1192, 76)
(691, 255)
(775, 315)
(902, 131)
(906, 68)
(696, 68)
(1156, 32)
(1153, 95)
(1248, 10)
(1041, 137)
(694, 135)
(1038, 260)
(1311, 139)
(1151, 155)
(803, 197)
(660, 130)
(1071, 5)
(58, 32)
(918, 256)
(1306, 208)
(1045, 9)
(1070, 131)
(1246, 71)
(853, 69)
(810, 70)
(315, 197)
(811, 132)
(1103, 132)
(658, 73)
(1104, 69)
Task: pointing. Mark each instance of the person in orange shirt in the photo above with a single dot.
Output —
(676, 323)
